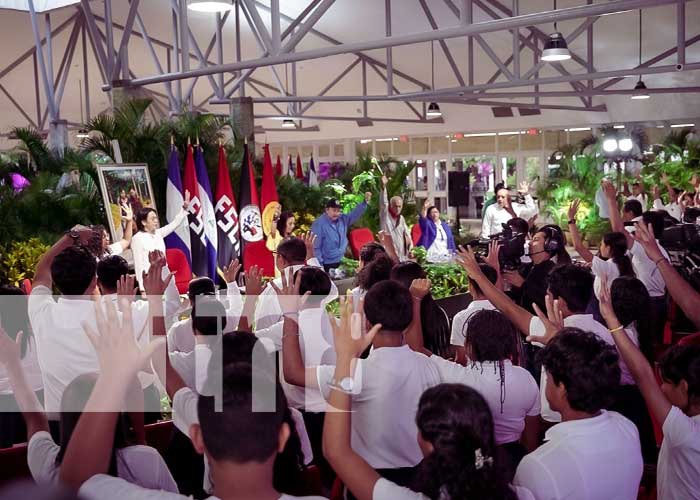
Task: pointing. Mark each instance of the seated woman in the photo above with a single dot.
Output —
(141, 465)
(282, 227)
(433, 319)
(436, 235)
(455, 434)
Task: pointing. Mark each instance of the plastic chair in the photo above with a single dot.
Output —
(257, 254)
(158, 435)
(693, 339)
(416, 233)
(177, 262)
(359, 238)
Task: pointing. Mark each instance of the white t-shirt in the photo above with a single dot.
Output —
(115, 248)
(678, 469)
(459, 322)
(602, 268)
(181, 335)
(140, 465)
(185, 414)
(388, 386)
(588, 459)
(103, 487)
(520, 392)
(496, 215)
(438, 251)
(267, 310)
(641, 198)
(673, 209)
(30, 367)
(316, 344)
(647, 272)
(585, 322)
(386, 490)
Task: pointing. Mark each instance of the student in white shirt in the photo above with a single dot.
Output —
(676, 404)
(137, 464)
(592, 453)
(387, 385)
(631, 213)
(479, 303)
(455, 435)
(241, 444)
(150, 235)
(638, 194)
(493, 352)
(291, 255)
(646, 270)
(505, 209)
(674, 207)
(612, 260)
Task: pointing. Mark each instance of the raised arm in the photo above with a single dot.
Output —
(414, 334)
(351, 468)
(357, 212)
(582, 250)
(253, 289)
(178, 220)
(672, 196)
(42, 274)
(384, 206)
(634, 359)
(128, 230)
(682, 293)
(614, 211)
(520, 317)
(318, 241)
(32, 412)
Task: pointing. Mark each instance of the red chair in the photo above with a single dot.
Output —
(158, 435)
(26, 285)
(257, 254)
(693, 339)
(416, 233)
(359, 238)
(13, 463)
(177, 262)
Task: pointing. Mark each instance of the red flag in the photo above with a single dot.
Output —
(270, 200)
(300, 172)
(251, 227)
(226, 215)
(195, 217)
(278, 167)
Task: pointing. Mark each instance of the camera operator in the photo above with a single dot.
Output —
(529, 282)
(507, 208)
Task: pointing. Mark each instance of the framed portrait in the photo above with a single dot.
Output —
(125, 187)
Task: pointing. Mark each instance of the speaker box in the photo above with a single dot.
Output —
(458, 193)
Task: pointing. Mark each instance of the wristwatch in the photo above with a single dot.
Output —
(75, 236)
(345, 384)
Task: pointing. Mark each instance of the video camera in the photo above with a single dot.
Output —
(512, 247)
(682, 242)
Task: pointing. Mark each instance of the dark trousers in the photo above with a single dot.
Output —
(333, 265)
(12, 427)
(403, 476)
(510, 455)
(314, 428)
(479, 202)
(657, 318)
(186, 465)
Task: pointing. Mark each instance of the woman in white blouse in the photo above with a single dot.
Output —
(151, 236)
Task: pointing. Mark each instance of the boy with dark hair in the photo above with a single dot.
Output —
(479, 302)
(110, 269)
(386, 386)
(592, 453)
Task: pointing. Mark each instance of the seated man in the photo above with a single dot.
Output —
(592, 453)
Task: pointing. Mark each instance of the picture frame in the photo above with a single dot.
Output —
(124, 184)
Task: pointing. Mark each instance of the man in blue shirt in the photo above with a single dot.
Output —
(331, 230)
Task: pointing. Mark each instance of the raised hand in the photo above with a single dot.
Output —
(385, 181)
(492, 257)
(606, 308)
(467, 259)
(288, 295)
(420, 288)
(10, 349)
(513, 278)
(553, 321)
(368, 196)
(608, 189)
(254, 281)
(350, 338)
(126, 291)
(524, 187)
(309, 240)
(573, 209)
(385, 239)
(114, 342)
(157, 256)
(153, 282)
(231, 271)
(186, 203)
(644, 235)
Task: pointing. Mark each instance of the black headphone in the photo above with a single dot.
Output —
(554, 240)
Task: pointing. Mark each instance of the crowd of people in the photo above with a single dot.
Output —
(544, 387)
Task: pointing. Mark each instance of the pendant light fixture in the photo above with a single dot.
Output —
(640, 90)
(433, 107)
(556, 48)
(288, 123)
(209, 5)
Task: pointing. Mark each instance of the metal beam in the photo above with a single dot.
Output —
(126, 35)
(48, 84)
(355, 118)
(332, 83)
(94, 37)
(680, 31)
(389, 59)
(258, 24)
(19, 108)
(396, 91)
(612, 6)
(443, 44)
(492, 55)
(154, 57)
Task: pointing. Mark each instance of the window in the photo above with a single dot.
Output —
(324, 150)
(440, 175)
(400, 147)
(421, 175)
(364, 146)
(382, 147)
(420, 145)
(439, 145)
(338, 150)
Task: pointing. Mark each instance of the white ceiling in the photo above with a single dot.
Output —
(615, 47)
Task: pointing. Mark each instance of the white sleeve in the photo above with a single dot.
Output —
(39, 301)
(41, 457)
(303, 435)
(202, 356)
(658, 205)
(538, 329)
(457, 336)
(104, 487)
(169, 228)
(386, 490)
(185, 410)
(172, 299)
(234, 307)
(528, 209)
(486, 224)
(313, 262)
(536, 478)
(116, 248)
(183, 363)
(450, 372)
(267, 309)
(140, 257)
(679, 428)
(273, 334)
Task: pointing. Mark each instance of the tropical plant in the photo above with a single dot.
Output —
(19, 259)
(445, 279)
